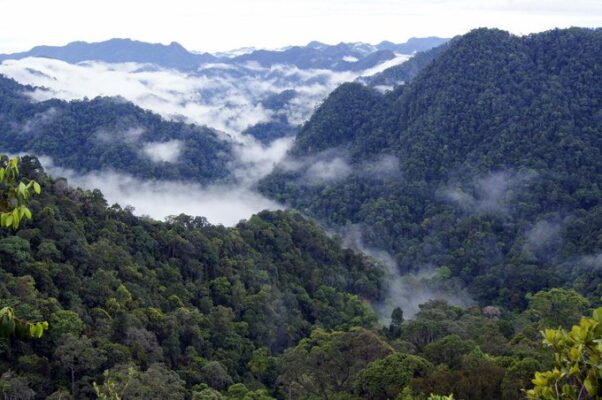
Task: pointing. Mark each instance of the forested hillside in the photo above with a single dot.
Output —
(487, 165)
(271, 309)
(202, 300)
(105, 132)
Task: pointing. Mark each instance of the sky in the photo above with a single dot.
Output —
(220, 25)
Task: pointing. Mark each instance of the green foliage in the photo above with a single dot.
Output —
(387, 377)
(440, 397)
(14, 194)
(327, 363)
(577, 372)
(13, 326)
(211, 305)
(557, 307)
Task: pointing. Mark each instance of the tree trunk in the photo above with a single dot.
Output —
(73, 382)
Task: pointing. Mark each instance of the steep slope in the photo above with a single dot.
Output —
(120, 290)
(109, 133)
(488, 163)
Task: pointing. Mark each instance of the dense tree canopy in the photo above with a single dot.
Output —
(488, 164)
(109, 133)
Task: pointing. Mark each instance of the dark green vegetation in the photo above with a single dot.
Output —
(203, 300)
(487, 164)
(91, 135)
(268, 309)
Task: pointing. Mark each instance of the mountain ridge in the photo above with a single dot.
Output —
(479, 138)
(176, 56)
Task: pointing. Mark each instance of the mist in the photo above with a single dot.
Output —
(163, 151)
(544, 238)
(488, 194)
(228, 98)
(409, 290)
(220, 204)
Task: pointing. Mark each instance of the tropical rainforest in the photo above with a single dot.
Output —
(487, 164)
(109, 133)
(484, 168)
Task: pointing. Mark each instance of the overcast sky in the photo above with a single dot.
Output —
(216, 25)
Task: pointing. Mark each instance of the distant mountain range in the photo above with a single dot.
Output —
(340, 57)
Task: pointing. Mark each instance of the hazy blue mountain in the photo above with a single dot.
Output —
(412, 45)
(120, 50)
(339, 57)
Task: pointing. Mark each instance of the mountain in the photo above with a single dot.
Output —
(119, 51)
(268, 309)
(483, 170)
(413, 45)
(340, 57)
(487, 165)
(194, 302)
(406, 71)
(109, 133)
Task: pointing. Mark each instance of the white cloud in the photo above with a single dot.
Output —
(228, 24)
(220, 204)
(328, 170)
(489, 194)
(163, 151)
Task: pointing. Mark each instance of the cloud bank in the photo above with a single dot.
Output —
(229, 98)
(225, 205)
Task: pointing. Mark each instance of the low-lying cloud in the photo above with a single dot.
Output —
(163, 151)
(544, 238)
(488, 194)
(334, 164)
(409, 290)
(220, 204)
(39, 120)
(227, 98)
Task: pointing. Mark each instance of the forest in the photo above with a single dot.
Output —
(487, 165)
(271, 309)
(109, 133)
(484, 168)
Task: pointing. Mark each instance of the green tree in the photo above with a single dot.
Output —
(386, 378)
(557, 307)
(577, 372)
(327, 362)
(77, 356)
